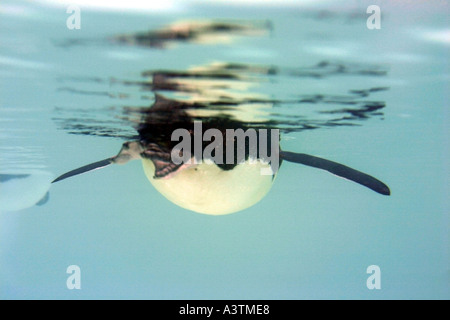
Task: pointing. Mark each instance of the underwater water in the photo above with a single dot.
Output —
(375, 100)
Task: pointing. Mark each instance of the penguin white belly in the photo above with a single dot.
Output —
(205, 188)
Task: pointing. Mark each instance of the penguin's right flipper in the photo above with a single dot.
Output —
(337, 169)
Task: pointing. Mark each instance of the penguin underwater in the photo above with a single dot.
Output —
(209, 186)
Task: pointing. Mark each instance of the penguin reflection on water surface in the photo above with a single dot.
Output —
(212, 185)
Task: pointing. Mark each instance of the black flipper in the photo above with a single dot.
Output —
(86, 168)
(337, 169)
(44, 200)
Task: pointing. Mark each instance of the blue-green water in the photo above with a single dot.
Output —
(62, 99)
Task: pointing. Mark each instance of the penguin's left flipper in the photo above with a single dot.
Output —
(86, 168)
(337, 169)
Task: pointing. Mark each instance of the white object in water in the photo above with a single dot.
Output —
(19, 191)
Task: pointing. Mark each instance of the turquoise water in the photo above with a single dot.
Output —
(375, 100)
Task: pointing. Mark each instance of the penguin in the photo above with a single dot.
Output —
(209, 186)
(216, 95)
